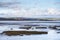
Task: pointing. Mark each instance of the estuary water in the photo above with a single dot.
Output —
(52, 34)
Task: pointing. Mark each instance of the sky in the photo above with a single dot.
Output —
(30, 8)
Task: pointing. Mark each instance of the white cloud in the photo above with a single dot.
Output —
(32, 12)
(53, 11)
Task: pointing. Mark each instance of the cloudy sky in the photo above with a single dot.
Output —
(30, 8)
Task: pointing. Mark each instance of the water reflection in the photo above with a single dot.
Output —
(52, 34)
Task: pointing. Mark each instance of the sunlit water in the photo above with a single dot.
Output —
(52, 35)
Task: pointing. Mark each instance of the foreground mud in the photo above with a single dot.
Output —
(22, 32)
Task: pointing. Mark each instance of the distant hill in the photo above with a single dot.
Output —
(25, 19)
